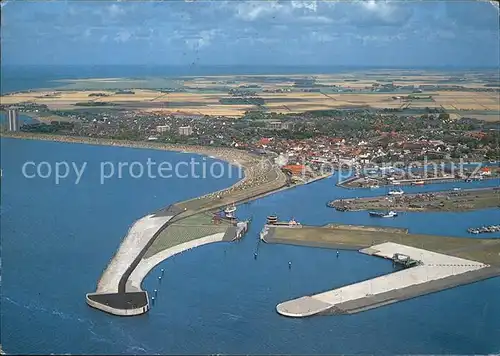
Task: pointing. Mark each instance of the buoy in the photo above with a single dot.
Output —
(337, 253)
(162, 271)
(156, 292)
(289, 264)
(255, 255)
(153, 300)
(159, 278)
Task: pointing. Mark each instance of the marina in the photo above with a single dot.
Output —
(484, 229)
(455, 199)
(407, 176)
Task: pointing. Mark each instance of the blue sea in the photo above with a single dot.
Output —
(58, 238)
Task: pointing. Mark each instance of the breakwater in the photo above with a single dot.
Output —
(440, 263)
(118, 291)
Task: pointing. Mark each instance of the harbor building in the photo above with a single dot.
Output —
(185, 130)
(13, 120)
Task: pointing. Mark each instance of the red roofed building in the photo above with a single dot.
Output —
(296, 169)
(264, 141)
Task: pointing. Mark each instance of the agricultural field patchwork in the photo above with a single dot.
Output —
(459, 93)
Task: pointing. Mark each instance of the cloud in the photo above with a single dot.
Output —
(257, 30)
(309, 5)
(253, 10)
(203, 39)
(115, 10)
(123, 36)
(383, 13)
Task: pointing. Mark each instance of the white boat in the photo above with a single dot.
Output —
(457, 189)
(374, 186)
(396, 192)
(229, 211)
(378, 214)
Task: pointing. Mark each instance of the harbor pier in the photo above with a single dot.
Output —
(173, 230)
(429, 264)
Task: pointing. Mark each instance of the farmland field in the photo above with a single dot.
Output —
(457, 92)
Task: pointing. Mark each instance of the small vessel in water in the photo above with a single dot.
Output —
(381, 214)
(457, 189)
(396, 192)
(375, 186)
(418, 182)
(229, 211)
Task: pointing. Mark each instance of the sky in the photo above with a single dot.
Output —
(265, 32)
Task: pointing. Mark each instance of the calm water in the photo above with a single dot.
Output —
(56, 240)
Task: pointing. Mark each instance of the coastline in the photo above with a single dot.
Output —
(112, 294)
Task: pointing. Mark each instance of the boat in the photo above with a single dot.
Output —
(272, 220)
(381, 214)
(375, 186)
(396, 192)
(418, 182)
(457, 189)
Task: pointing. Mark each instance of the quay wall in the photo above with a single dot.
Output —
(435, 272)
(335, 245)
(399, 295)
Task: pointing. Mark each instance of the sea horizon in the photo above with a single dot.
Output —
(22, 77)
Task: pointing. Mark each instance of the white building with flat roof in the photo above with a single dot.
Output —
(162, 128)
(185, 130)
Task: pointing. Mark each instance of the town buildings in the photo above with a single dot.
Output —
(185, 130)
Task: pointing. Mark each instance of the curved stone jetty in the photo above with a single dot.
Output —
(119, 289)
(137, 238)
(433, 267)
(147, 264)
(111, 294)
